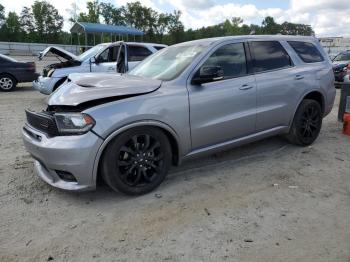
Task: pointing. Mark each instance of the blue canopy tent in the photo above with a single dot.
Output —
(101, 29)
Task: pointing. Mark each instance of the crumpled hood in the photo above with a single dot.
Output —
(82, 88)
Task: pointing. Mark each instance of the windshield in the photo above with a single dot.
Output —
(91, 52)
(168, 63)
(342, 57)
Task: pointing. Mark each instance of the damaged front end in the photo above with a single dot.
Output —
(60, 124)
(67, 59)
(65, 115)
(49, 70)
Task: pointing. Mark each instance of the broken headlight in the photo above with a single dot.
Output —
(50, 72)
(73, 123)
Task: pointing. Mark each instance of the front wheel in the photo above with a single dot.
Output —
(137, 161)
(7, 83)
(307, 123)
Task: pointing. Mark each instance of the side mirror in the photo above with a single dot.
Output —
(93, 60)
(208, 74)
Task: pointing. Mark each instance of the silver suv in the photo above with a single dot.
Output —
(186, 100)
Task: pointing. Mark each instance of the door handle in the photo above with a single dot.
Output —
(299, 77)
(111, 68)
(245, 87)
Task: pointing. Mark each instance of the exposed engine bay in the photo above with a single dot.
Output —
(48, 70)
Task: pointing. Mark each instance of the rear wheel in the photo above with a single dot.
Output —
(137, 161)
(7, 83)
(307, 123)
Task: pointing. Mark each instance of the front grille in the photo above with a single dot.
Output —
(338, 70)
(43, 122)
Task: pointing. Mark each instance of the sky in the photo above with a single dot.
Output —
(327, 17)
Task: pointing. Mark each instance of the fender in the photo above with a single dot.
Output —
(302, 98)
(154, 123)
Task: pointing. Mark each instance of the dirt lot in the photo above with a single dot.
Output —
(268, 201)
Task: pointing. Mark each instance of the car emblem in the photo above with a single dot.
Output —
(44, 124)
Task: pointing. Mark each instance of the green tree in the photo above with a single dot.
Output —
(176, 27)
(162, 25)
(2, 15)
(27, 23)
(270, 26)
(47, 21)
(236, 21)
(42, 23)
(93, 14)
(137, 15)
(296, 29)
(12, 27)
(112, 15)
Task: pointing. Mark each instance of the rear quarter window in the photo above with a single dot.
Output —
(308, 52)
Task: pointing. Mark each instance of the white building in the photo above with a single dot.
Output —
(334, 45)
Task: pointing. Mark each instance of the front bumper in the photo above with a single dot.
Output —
(45, 85)
(73, 154)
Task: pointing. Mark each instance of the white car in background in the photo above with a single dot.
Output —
(100, 58)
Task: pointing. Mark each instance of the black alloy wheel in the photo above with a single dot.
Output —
(307, 123)
(140, 160)
(137, 161)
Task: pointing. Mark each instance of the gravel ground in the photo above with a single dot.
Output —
(267, 201)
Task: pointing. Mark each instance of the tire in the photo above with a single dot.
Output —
(137, 161)
(7, 83)
(307, 123)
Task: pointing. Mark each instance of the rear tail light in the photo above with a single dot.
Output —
(32, 66)
(348, 67)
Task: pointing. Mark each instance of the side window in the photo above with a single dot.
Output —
(108, 55)
(113, 51)
(269, 55)
(231, 58)
(137, 53)
(308, 52)
(158, 47)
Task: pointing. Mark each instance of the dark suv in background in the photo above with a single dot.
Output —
(341, 64)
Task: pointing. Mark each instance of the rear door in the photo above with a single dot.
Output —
(279, 84)
(223, 110)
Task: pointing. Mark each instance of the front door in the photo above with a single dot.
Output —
(223, 110)
(106, 61)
